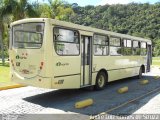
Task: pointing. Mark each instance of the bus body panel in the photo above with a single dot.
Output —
(66, 71)
(118, 67)
(66, 82)
(38, 81)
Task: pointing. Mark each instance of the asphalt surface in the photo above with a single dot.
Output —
(31, 100)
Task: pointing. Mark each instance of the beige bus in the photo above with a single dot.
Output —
(55, 54)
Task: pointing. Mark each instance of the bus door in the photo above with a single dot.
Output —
(149, 57)
(86, 50)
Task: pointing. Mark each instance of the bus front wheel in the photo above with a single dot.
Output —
(100, 81)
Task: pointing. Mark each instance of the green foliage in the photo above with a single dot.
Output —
(56, 9)
(157, 48)
(5, 54)
(141, 20)
(4, 72)
(156, 61)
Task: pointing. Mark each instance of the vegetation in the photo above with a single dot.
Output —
(156, 61)
(4, 72)
(156, 58)
(142, 20)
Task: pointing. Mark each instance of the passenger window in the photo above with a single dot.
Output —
(115, 46)
(100, 45)
(66, 41)
(143, 48)
(136, 48)
(127, 47)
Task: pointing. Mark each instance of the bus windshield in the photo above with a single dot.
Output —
(28, 35)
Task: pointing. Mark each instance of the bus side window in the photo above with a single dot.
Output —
(115, 46)
(100, 45)
(66, 41)
(136, 48)
(143, 48)
(127, 47)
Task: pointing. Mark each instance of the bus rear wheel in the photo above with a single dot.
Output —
(101, 81)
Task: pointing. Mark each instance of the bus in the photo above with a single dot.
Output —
(54, 54)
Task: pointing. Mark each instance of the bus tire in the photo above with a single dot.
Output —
(101, 80)
(140, 73)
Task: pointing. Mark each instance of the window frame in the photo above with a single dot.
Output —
(127, 46)
(54, 41)
(16, 30)
(144, 42)
(139, 46)
(126, 42)
(114, 45)
(107, 37)
(143, 48)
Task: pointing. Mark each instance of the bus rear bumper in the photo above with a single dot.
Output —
(38, 81)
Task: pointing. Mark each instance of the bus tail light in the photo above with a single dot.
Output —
(41, 65)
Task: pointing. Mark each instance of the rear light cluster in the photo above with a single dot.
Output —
(24, 55)
(41, 65)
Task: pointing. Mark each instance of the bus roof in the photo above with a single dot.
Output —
(80, 27)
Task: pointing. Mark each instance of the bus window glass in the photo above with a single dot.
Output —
(27, 36)
(115, 46)
(66, 41)
(127, 49)
(136, 48)
(115, 41)
(66, 35)
(100, 50)
(100, 45)
(135, 44)
(129, 43)
(143, 48)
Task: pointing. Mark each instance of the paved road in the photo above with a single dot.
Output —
(31, 100)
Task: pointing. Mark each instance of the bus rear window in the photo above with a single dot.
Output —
(28, 35)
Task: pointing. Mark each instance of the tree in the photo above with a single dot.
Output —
(1, 44)
(11, 10)
(56, 9)
(2, 30)
(157, 48)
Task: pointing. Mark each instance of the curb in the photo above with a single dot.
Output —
(122, 90)
(84, 103)
(11, 87)
(143, 82)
